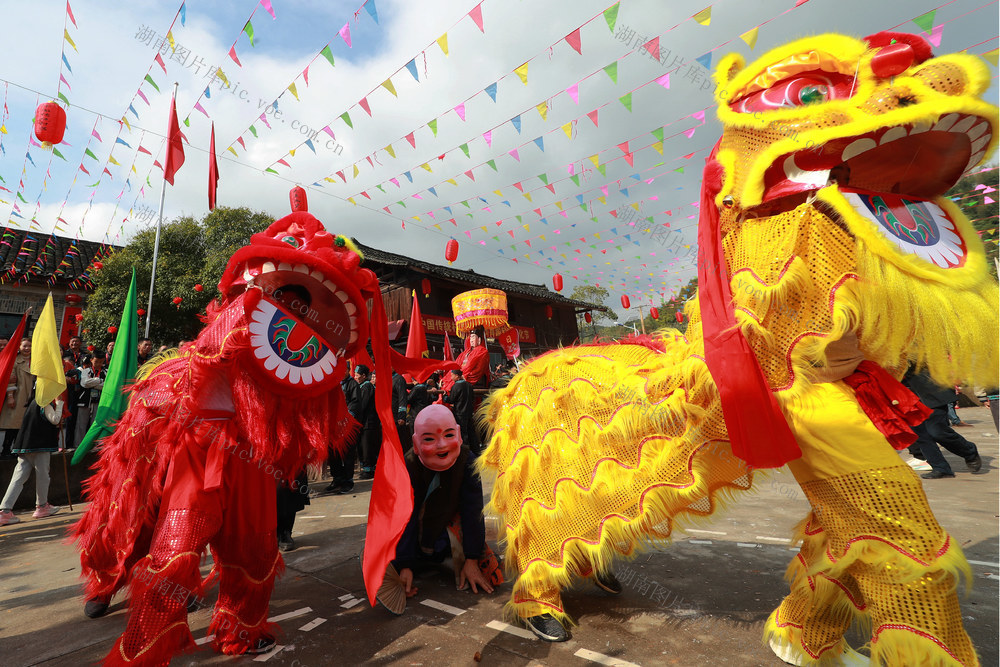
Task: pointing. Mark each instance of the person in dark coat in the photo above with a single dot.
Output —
(420, 397)
(399, 396)
(370, 440)
(37, 438)
(937, 430)
(460, 397)
(292, 498)
(342, 465)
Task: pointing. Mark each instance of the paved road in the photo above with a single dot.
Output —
(700, 601)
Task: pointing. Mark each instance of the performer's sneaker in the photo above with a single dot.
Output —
(934, 474)
(608, 582)
(263, 644)
(45, 510)
(96, 607)
(7, 517)
(918, 465)
(974, 462)
(547, 628)
(286, 543)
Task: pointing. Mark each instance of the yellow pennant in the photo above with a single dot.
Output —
(635, 205)
(329, 180)
(291, 152)
(356, 170)
(527, 195)
(222, 77)
(292, 90)
(483, 228)
(991, 56)
(597, 236)
(559, 205)
(438, 227)
(522, 72)
(112, 160)
(750, 37)
(541, 236)
(498, 193)
(416, 217)
(594, 159)
(704, 17)
(230, 149)
(543, 109)
(426, 166)
(602, 199)
(387, 84)
(125, 120)
(170, 38)
(3, 129)
(658, 147)
(70, 40)
(351, 199)
(452, 181)
(443, 43)
(527, 228)
(390, 150)
(568, 129)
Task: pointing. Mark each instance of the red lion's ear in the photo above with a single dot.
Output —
(921, 47)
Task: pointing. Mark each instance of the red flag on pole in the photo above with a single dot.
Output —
(416, 339)
(175, 145)
(448, 354)
(9, 353)
(213, 172)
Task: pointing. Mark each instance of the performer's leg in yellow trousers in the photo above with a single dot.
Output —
(872, 550)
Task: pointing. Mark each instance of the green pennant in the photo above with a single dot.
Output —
(496, 238)
(380, 188)
(518, 218)
(612, 71)
(270, 170)
(149, 78)
(187, 122)
(21, 197)
(55, 151)
(89, 153)
(679, 170)
(248, 29)
(64, 99)
(346, 117)
(611, 16)
(400, 202)
(658, 164)
(626, 101)
(465, 149)
(466, 203)
(433, 124)
(253, 131)
(583, 206)
(328, 54)
(492, 164)
(576, 179)
(926, 21)
(658, 133)
(543, 178)
(603, 168)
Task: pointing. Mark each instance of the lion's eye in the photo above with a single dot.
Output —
(813, 94)
(291, 240)
(799, 91)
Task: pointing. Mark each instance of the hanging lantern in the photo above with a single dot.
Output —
(587, 317)
(78, 318)
(298, 200)
(654, 313)
(548, 312)
(141, 312)
(679, 315)
(177, 301)
(451, 251)
(626, 304)
(199, 288)
(425, 287)
(90, 348)
(73, 298)
(98, 265)
(50, 124)
(112, 329)
(557, 282)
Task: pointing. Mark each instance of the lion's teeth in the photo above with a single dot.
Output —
(329, 285)
(945, 123)
(302, 268)
(246, 275)
(268, 267)
(342, 295)
(857, 148)
(797, 175)
(316, 275)
(980, 143)
(897, 132)
(351, 308)
(963, 125)
(919, 127)
(283, 266)
(978, 130)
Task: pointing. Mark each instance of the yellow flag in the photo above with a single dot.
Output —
(602, 199)
(70, 40)
(559, 205)
(3, 129)
(351, 199)
(292, 90)
(451, 180)
(291, 151)
(356, 170)
(568, 129)
(222, 77)
(658, 147)
(635, 205)
(46, 357)
(704, 17)
(498, 193)
(594, 159)
(443, 43)
(231, 150)
(991, 56)
(390, 150)
(543, 109)
(527, 195)
(750, 37)
(112, 160)
(387, 84)
(522, 72)
(170, 38)
(426, 166)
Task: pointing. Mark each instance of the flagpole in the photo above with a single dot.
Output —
(156, 243)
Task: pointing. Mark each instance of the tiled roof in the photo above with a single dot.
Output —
(31, 257)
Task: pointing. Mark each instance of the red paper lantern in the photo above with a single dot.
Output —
(548, 312)
(177, 301)
(557, 282)
(98, 265)
(298, 200)
(141, 312)
(198, 288)
(112, 329)
(626, 304)
(679, 315)
(451, 251)
(654, 313)
(425, 287)
(78, 318)
(587, 317)
(73, 298)
(90, 348)
(50, 124)
(892, 60)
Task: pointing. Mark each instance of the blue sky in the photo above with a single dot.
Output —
(111, 60)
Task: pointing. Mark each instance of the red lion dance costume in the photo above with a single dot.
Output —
(195, 459)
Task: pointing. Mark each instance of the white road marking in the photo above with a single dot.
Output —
(353, 516)
(699, 541)
(747, 545)
(291, 614)
(40, 537)
(783, 540)
(349, 596)
(321, 516)
(511, 630)
(602, 659)
(983, 563)
(443, 607)
(204, 640)
(270, 654)
(351, 603)
(990, 575)
(313, 624)
(703, 532)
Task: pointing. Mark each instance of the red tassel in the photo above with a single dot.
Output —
(892, 407)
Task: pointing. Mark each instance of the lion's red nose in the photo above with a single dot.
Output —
(892, 60)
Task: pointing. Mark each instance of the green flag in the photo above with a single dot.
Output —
(121, 371)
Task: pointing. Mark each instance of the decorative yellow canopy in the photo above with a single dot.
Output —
(485, 307)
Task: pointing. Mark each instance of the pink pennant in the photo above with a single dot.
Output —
(370, 163)
(305, 75)
(664, 81)
(538, 211)
(689, 133)
(592, 115)
(574, 92)
(469, 174)
(232, 54)
(623, 146)
(345, 33)
(342, 177)
(989, 200)
(197, 105)
(653, 47)
(241, 142)
(488, 136)
(144, 98)
(563, 214)
(981, 186)
(468, 233)
(551, 188)
(604, 190)
(699, 115)
(386, 209)
(264, 118)
(477, 16)
(282, 161)
(394, 181)
(519, 186)
(799, 3)
(452, 221)
(460, 110)
(629, 157)
(413, 142)
(95, 134)
(365, 195)
(71, 17)
(266, 4)
(571, 168)
(935, 36)
(573, 39)
(514, 155)
(159, 61)
(364, 105)
(329, 131)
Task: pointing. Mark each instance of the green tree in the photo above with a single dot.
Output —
(191, 253)
(596, 295)
(982, 216)
(668, 309)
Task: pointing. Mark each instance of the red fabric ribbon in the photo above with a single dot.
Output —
(893, 408)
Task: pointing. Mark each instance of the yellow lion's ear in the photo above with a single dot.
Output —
(731, 65)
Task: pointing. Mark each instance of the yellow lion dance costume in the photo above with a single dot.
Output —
(824, 242)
